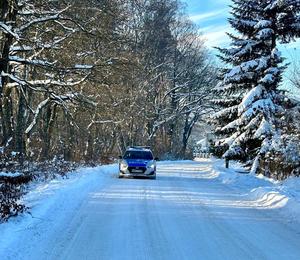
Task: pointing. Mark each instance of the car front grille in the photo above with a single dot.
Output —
(138, 169)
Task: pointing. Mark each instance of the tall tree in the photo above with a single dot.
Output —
(250, 117)
(33, 74)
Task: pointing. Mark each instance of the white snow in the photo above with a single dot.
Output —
(229, 140)
(264, 129)
(232, 125)
(262, 63)
(263, 24)
(268, 79)
(194, 210)
(8, 29)
(36, 114)
(259, 105)
(265, 33)
(10, 174)
(224, 112)
(17, 59)
(83, 66)
(267, 193)
(250, 97)
(245, 69)
(244, 46)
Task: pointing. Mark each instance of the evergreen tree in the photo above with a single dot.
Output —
(250, 117)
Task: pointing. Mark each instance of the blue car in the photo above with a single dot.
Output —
(137, 162)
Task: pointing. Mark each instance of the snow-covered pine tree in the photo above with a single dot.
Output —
(237, 78)
(251, 102)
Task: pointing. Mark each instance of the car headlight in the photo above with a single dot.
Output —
(151, 165)
(123, 165)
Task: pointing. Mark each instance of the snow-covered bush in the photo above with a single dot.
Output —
(14, 180)
(284, 162)
(283, 159)
(12, 187)
(9, 201)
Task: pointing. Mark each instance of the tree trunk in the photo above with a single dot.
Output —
(187, 130)
(20, 147)
(69, 139)
(49, 120)
(8, 13)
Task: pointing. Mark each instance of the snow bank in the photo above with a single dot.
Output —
(47, 201)
(262, 192)
(78, 184)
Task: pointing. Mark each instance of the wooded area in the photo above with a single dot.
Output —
(81, 81)
(85, 79)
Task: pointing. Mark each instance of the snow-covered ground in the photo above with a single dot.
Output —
(281, 195)
(194, 210)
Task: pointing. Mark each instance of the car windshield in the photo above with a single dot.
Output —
(144, 155)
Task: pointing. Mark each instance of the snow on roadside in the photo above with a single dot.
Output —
(265, 192)
(47, 201)
(79, 182)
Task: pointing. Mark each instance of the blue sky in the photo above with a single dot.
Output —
(212, 16)
(212, 19)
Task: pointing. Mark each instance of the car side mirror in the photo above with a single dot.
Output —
(156, 159)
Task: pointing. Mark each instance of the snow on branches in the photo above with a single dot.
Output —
(250, 126)
(33, 73)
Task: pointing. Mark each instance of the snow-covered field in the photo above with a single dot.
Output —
(194, 210)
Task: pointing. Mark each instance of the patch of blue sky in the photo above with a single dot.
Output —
(211, 16)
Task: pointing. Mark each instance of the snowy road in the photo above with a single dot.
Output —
(187, 213)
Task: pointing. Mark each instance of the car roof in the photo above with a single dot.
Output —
(139, 148)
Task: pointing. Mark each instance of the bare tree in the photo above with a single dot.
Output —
(33, 76)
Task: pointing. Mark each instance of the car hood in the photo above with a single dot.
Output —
(137, 162)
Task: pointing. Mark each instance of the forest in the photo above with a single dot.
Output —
(82, 80)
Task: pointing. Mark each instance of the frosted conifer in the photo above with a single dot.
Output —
(251, 102)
